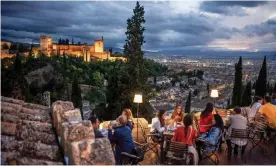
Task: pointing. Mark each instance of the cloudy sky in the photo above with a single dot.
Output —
(201, 25)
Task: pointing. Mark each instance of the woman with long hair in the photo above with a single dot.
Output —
(177, 115)
(206, 116)
(187, 135)
(213, 137)
(127, 112)
(158, 123)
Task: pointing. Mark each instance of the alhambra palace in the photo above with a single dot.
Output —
(49, 48)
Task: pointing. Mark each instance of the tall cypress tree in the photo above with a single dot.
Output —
(261, 81)
(134, 54)
(76, 94)
(188, 103)
(236, 98)
(274, 89)
(246, 97)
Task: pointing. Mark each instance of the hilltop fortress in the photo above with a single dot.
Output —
(88, 52)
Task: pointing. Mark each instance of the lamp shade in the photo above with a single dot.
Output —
(214, 93)
(138, 98)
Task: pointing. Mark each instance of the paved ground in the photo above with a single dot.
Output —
(256, 157)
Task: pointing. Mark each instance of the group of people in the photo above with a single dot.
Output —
(208, 133)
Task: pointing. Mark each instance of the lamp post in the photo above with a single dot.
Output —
(214, 94)
(137, 99)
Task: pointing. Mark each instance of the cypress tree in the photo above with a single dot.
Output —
(18, 64)
(208, 89)
(188, 103)
(274, 90)
(261, 81)
(236, 98)
(76, 94)
(246, 97)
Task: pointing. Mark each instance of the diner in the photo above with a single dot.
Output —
(213, 137)
(236, 121)
(206, 116)
(158, 123)
(121, 137)
(187, 135)
(255, 106)
(127, 112)
(273, 99)
(96, 123)
(177, 116)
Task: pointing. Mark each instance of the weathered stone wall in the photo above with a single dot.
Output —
(27, 135)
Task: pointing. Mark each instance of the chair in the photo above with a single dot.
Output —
(134, 159)
(259, 128)
(239, 136)
(207, 154)
(178, 152)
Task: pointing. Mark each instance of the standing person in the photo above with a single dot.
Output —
(187, 135)
(177, 115)
(96, 123)
(127, 112)
(236, 121)
(158, 123)
(205, 122)
(273, 101)
(255, 106)
(213, 137)
(122, 137)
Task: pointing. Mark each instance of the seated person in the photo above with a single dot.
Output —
(187, 135)
(255, 106)
(122, 138)
(158, 124)
(95, 123)
(273, 100)
(213, 137)
(127, 112)
(236, 121)
(205, 122)
(177, 116)
(269, 112)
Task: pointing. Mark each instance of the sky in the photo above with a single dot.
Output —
(170, 25)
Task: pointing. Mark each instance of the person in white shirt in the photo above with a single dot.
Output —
(236, 121)
(254, 108)
(158, 123)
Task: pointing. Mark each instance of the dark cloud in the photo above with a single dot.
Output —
(229, 7)
(87, 21)
(262, 29)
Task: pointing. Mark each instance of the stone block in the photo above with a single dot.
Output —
(31, 117)
(67, 116)
(35, 106)
(8, 128)
(12, 105)
(7, 158)
(11, 100)
(29, 161)
(88, 152)
(41, 151)
(37, 126)
(9, 110)
(59, 107)
(76, 131)
(9, 118)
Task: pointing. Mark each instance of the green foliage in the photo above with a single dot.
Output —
(188, 103)
(246, 97)
(4, 46)
(76, 94)
(261, 81)
(97, 79)
(237, 90)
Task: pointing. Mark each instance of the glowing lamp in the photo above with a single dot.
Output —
(138, 98)
(214, 93)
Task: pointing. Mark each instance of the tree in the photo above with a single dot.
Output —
(208, 89)
(261, 81)
(133, 52)
(97, 79)
(4, 46)
(67, 41)
(76, 94)
(59, 41)
(72, 41)
(21, 48)
(236, 98)
(188, 103)
(274, 89)
(18, 64)
(246, 97)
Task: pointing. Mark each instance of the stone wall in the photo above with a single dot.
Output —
(36, 135)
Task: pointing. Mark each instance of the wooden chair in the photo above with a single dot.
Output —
(259, 128)
(177, 153)
(239, 136)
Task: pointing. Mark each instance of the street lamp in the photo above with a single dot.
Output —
(214, 94)
(137, 99)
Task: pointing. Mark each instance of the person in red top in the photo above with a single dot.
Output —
(187, 135)
(205, 122)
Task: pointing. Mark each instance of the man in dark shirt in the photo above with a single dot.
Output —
(95, 123)
(122, 137)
